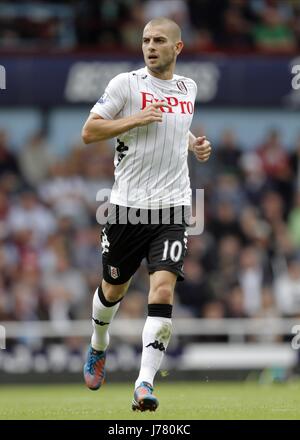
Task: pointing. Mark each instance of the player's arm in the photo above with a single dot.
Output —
(200, 146)
(98, 129)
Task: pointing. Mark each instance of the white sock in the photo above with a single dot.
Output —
(156, 336)
(102, 317)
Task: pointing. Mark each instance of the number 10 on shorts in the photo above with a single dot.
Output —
(174, 250)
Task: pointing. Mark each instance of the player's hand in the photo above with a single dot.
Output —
(202, 148)
(151, 113)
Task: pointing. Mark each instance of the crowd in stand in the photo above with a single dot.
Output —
(246, 263)
(271, 26)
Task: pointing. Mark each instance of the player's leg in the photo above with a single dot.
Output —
(123, 250)
(165, 262)
(157, 329)
(155, 337)
(106, 302)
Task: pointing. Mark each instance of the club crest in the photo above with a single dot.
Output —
(114, 272)
(182, 87)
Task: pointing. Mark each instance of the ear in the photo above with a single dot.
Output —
(179, 47)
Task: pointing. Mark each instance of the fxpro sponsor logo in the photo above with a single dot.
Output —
(2, 78)
(2, 338)
(154, 213)
(87, 80)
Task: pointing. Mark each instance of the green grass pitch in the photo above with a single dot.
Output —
(186, 401)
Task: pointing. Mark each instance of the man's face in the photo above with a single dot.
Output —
(159, 48)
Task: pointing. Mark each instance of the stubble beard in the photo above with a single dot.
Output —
(161, 68)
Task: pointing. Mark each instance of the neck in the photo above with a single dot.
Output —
(167, 74)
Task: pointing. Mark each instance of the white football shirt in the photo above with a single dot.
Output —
(151, 169)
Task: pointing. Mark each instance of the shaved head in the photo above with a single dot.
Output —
(169, 26)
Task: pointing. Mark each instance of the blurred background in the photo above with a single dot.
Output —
(234, 312)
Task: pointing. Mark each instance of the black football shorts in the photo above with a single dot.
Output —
(159, 236)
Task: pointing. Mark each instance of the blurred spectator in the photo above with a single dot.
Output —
(294, 161)
(9, 260)
(235, 302)
(25, 304)
(295, 21)
(276, 165)
(280, 244)
(273, 33)
(164, 8)
(194, 292)
(4, 211)
(214, 309)
(283, 242)
(26, 293)
(8, 161)
(237, 24)
(202, 248)
(229, 194)
(134, 307)
(225, 270)
(87, 22)
(111, 14)
(5, 302)
(252, 277)
(132, 27)
(65, 290)
(268, 307)
(287, 289)
(30, 215)
(282, 6)
(35, 159)
(255, 179)
(228, 252)
(64, 193)
(228, 153)
(225, 221)
(294, 221)
(268, 310)
(97, 169)
(272, 208)
(254, 230)
(49, 254)
(87, 255)
(273, 155)
(207, 15)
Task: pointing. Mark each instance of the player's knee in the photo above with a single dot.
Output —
(162, 295)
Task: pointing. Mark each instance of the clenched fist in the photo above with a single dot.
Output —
(201, 148)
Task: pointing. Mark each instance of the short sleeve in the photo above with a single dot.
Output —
(114, 97)
(196, 89)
